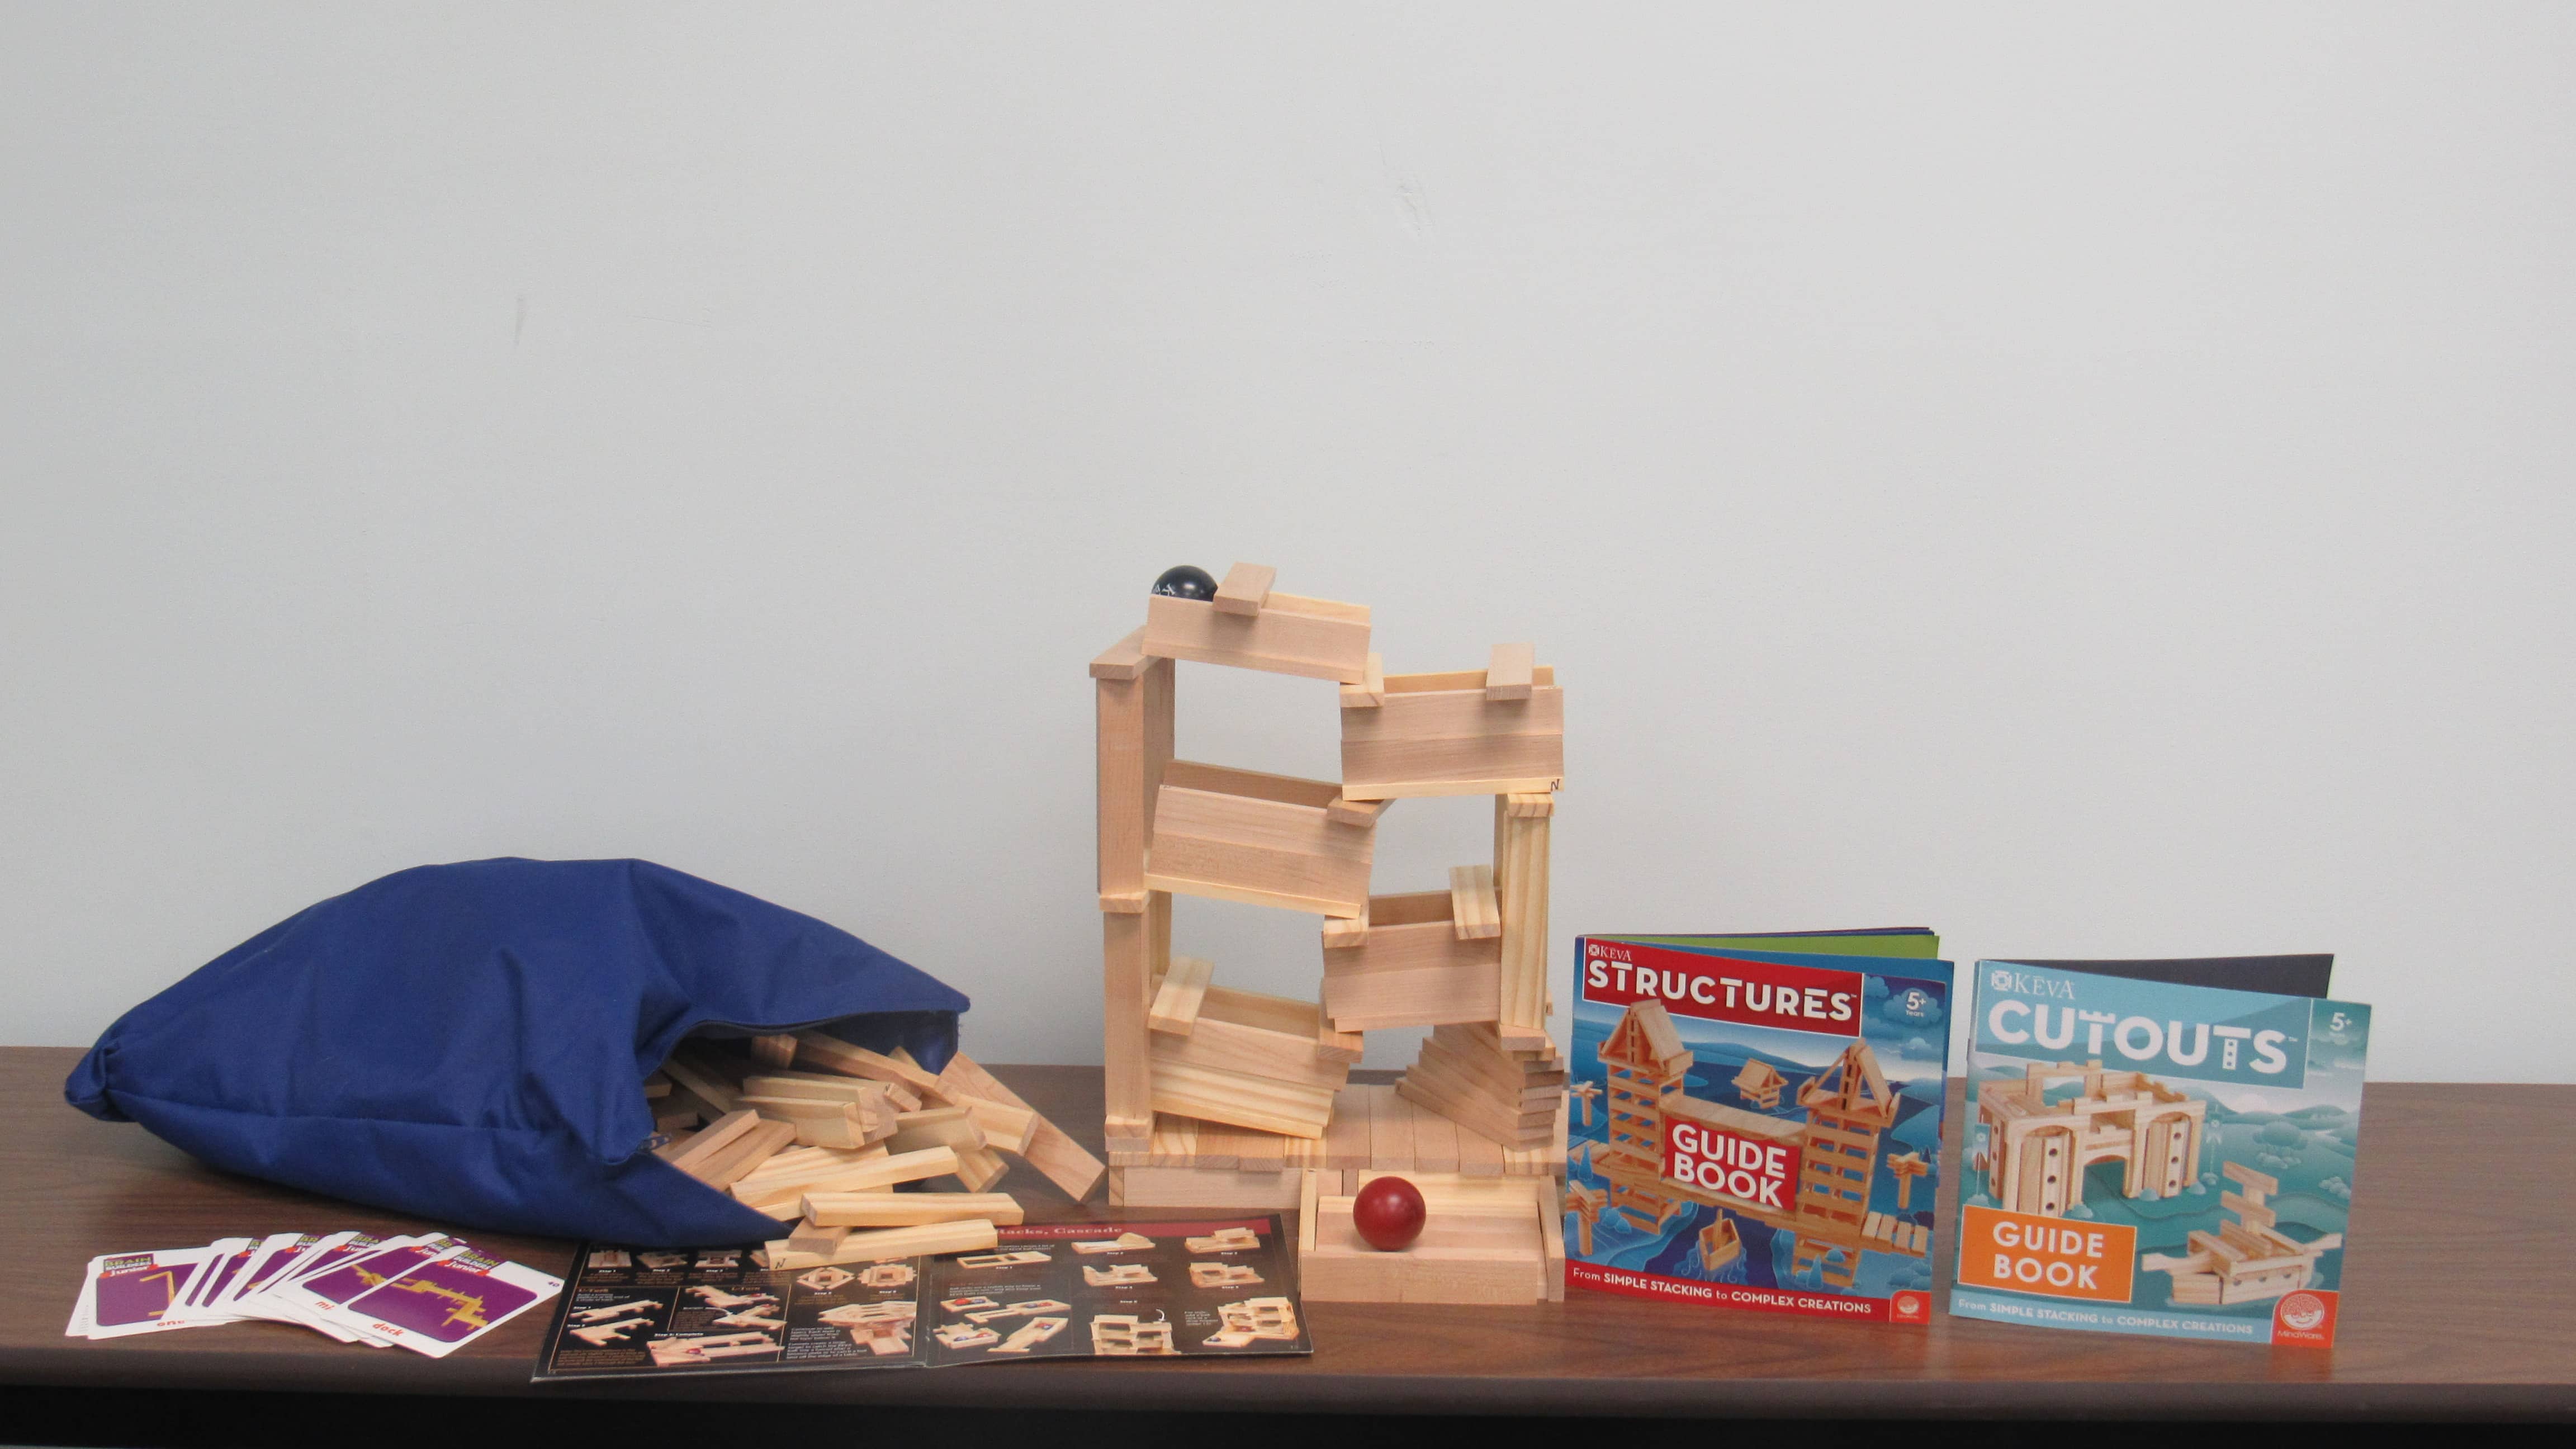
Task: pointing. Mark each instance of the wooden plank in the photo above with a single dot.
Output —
(771, 1193)
(1183, 992)
(1306, 1196)
(1435, 1143)
(1187, 1187)
(1551, 1239)
(719, 1134)
(813, 1048)
(907, 1209)
(746, 1153)
(973, 1236)
(1342, 931)
(1346, 1137)
(1124, 660)
(1523, 983)
(1370, 692)
(871, 1097)
(1316, 638)
(1508, 670)
(1245, 588)
(1474, 912)
(815, 1240)
(1478, 1154)
(1132, 717)
(1006, 1128)
(1188, 1142)
(1362, 814)
(1531, 806)
(1390, 1131)
(1435, 1096)
(1256, 1151)
(956, 1129)
(706, 1085)
(1333, 1045)
(816, 1123)
(1056, 1156)
(1126, 1049)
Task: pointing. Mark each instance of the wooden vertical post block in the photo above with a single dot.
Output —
(1524, 900)
(1127, 946)
(1134, 699)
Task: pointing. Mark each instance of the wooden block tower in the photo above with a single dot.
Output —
(1219, 1097)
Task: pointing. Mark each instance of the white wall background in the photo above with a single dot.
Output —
(2095, 481)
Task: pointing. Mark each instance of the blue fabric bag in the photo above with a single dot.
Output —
(468, 1043)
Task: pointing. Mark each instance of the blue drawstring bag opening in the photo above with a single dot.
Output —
(468, 1043)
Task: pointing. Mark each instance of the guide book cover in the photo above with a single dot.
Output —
(2158, 1158)
(1756, 1120)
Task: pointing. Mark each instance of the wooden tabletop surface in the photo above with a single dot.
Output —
(2456, 1288)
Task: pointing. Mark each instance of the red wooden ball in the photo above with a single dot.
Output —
(1389, 1213)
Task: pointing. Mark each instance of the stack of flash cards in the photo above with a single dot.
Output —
(431, 1294)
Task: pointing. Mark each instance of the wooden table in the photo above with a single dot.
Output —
(2458, 1285)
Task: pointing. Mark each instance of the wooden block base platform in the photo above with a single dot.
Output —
(1487, 1240)
(1189, 1163)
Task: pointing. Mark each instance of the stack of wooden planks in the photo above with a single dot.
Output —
(868, 1154)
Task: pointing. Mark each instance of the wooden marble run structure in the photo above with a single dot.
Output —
(1849, 1107)
(1225, 1098)
(2246, 1261)
(2037, 1150)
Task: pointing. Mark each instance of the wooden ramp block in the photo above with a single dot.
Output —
(1440, 734)
(1486, 1241)
(1412, 968)
(1256, 1035)
(1214, 1095)
(1316, 638)
(1267, 840)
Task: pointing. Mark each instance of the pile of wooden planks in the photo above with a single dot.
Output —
(1467, 1073)
(812, 1130)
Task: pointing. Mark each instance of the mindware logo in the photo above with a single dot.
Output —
(2305, 1318)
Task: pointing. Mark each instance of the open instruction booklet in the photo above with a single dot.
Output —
(1221, 1286)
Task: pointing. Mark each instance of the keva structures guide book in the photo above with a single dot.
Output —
(2149, 1155)
(1756, 1120)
